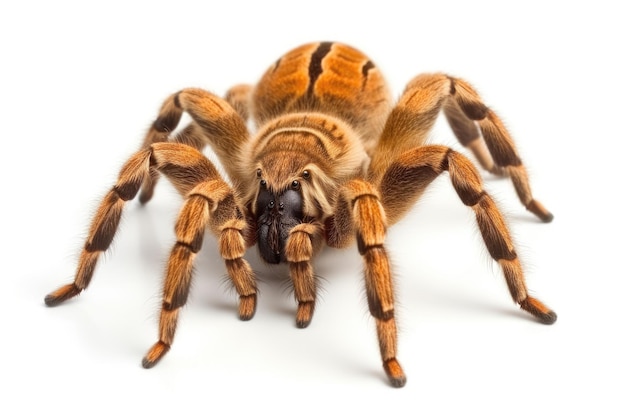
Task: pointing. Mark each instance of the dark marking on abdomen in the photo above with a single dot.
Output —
(315, 67)
(365, 71)
(277, 64)
(367, 67)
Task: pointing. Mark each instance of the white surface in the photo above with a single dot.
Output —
(81, 83)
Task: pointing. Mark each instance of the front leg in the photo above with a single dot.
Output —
(209, 203)
(361, 214)
(303, 243)
(410, 174)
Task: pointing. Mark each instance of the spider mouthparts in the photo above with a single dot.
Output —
(277, 214)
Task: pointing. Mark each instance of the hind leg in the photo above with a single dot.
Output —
(239, 97)
(412, 119)
(468, 135)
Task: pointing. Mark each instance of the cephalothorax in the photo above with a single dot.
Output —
(332, 162)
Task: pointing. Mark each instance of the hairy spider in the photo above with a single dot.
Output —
(333, 161)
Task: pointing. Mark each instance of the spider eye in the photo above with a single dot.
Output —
(295, 185)
(258, 173)
(263, 184)
(306, 174)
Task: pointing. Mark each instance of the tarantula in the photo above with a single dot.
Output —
(333, 161)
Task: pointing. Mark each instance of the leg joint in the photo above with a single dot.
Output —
(299, 247)
(168, 306)
(365, 247)
(363, 196)
(193, 246)
(232, 245)
(467, 99)
(378, 313)
(128, 190)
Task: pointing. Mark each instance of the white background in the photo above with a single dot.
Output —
(79, 85)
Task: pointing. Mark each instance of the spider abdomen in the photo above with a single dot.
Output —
(326, 77)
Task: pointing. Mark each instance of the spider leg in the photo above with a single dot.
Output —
(210, 202)
(360, 213)
(191, 135)
(104, 225)
(238, 97)
(304, 242)
(468, 135)
(413, 117)
(217, 122)
(411, 173)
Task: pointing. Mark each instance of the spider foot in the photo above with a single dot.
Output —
(304, 314)
(154, 355)
(247, 307)
(539, 310)
(146, 195)
(540, 211)
(62, 294)
(395, 373)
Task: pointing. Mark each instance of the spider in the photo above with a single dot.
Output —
(333, 162)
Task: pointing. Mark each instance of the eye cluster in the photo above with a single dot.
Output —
(295, 184)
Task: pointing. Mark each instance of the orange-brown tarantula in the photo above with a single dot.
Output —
(333, 161)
